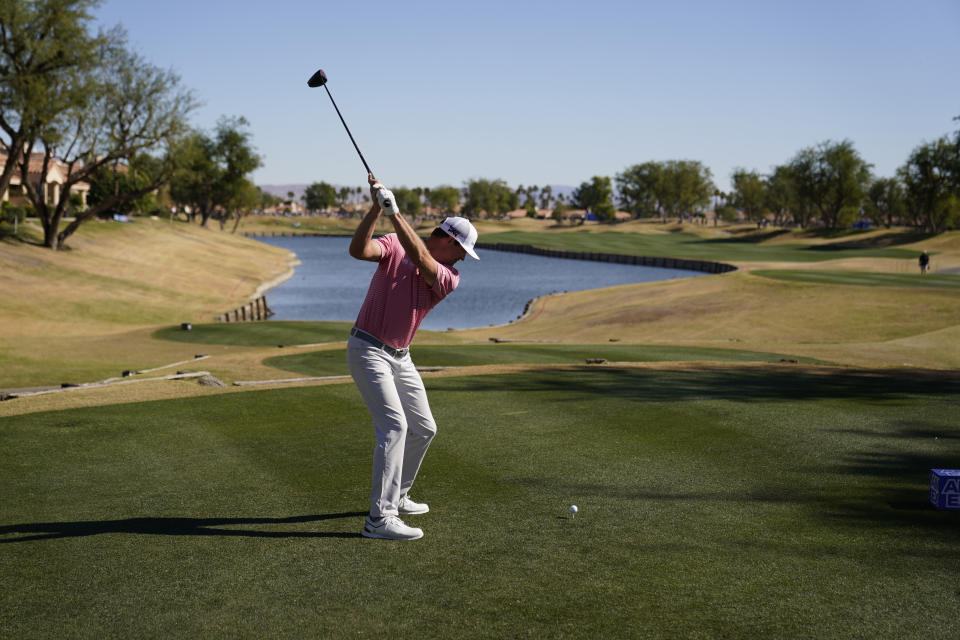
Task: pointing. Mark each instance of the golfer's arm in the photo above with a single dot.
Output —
(363, 246)
(415, 249)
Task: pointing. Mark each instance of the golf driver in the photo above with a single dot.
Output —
(319, 79)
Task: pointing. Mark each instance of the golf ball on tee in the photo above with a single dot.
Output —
(573, 508)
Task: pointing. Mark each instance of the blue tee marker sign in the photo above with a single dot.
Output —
(945, 488)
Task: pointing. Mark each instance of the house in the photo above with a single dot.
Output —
(56, 177)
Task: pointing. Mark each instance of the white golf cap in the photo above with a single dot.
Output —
(463, 232)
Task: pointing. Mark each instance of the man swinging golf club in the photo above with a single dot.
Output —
(411, 278)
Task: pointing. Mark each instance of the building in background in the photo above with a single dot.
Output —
(56, 178)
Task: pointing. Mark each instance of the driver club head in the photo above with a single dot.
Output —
(318, 79)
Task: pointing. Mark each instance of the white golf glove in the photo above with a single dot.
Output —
(387, 202)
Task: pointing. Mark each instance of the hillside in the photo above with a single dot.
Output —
(85, 311)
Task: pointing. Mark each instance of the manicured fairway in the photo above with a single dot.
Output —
(866, 278)
(737, 503)
(333, 362)
(689, 245)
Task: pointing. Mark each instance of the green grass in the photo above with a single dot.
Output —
(865, 278)
(736, 504)
(691, 246)
(333, 362)
(258, 334)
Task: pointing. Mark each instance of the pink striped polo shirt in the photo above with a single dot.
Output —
(399, 298)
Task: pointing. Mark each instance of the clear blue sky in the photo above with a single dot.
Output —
(556, 92)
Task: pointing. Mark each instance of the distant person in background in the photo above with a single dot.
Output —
(924, 263)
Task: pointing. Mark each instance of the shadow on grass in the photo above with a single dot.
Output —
(173, 527)
(748, 237)
(758, 385)
(874, 242)
(867, 479)
(896, 463)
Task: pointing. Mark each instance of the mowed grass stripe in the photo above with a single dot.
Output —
(682, 244)
(333, 362)
(865, 278)
(730, 503)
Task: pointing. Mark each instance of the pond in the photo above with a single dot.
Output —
(330, 285)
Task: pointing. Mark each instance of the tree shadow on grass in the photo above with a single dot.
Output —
(743, 385)
(173, 527)
(875, 242)
(748, 237)
(901, 457)
(888, 465)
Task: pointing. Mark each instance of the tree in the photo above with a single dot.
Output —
(779, 194)
(640, 187)
(107, 107)
(343, 196)
(546, 197)
(492, 197)
(319, 196)
(235, 190)
(133, 111)
(931, 179)
(596, 197)
(443, 197)
(749, 193)
(833, 178)
(685, 187)
(885, 203)
(244, 199)
(213, 170)
(531, 197)
(110, 181)
(408, 200)
(192, 185)
(46, 52)
(559, 212)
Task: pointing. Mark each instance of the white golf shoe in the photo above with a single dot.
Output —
(390, 528)
(408, 507)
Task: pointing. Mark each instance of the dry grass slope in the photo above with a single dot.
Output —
(98, 300)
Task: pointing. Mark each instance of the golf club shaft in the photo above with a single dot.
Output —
(366, 166)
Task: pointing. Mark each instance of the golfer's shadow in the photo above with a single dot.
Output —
(174, 527)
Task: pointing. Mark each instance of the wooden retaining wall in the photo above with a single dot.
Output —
(253, 311)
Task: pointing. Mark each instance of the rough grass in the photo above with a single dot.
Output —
(722, 503)
(864, 279)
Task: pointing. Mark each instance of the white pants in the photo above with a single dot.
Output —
(395, 396)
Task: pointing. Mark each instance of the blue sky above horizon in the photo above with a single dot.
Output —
(556, 92)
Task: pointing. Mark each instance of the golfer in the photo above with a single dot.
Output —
(412, 276)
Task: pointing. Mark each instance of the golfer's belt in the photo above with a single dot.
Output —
(366, 337)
